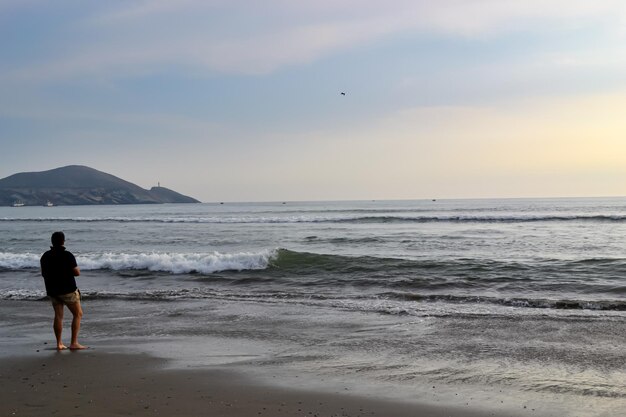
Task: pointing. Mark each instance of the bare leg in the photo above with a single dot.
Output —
(57, 325)
(77, 312)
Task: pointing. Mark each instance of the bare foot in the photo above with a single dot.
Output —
(77, 346)
(61, 346)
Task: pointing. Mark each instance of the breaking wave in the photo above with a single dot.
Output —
(175, 263)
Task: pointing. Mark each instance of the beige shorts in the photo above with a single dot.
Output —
(71, 298)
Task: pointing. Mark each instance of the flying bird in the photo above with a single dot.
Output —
(343, 94)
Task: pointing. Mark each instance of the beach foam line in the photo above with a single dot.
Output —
(386, 303)
(520, 302)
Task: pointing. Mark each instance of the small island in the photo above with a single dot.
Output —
(80, 185)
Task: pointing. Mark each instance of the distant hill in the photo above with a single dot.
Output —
(78, 185)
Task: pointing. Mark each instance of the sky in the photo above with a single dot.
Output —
(229, 100)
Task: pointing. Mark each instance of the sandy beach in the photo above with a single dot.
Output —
(96, 383)
(132, 376)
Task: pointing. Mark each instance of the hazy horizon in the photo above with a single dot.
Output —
(581, 197)
(240, 102)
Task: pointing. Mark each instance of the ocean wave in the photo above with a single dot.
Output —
(483, 219)
(175, 263)
(307, 218)
(353, 269)
(391, 303)
(522, 302)
(16, 261)
(23, 295)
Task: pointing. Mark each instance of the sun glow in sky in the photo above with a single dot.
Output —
(240, 100)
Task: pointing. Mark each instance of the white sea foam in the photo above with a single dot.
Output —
(22, 294)
(176, 263)
(19, 260)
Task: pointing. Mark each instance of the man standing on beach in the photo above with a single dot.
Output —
(59, 269)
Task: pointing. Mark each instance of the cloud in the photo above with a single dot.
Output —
(259, 38)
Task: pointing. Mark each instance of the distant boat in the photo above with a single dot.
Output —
(49, 204)
(18, 203)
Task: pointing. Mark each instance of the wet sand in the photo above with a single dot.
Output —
(96, 383)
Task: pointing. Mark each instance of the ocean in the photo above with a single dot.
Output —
(520, 301)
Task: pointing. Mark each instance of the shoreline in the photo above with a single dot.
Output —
(99, 383)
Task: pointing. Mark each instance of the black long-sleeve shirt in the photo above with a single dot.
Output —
(57, 269)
